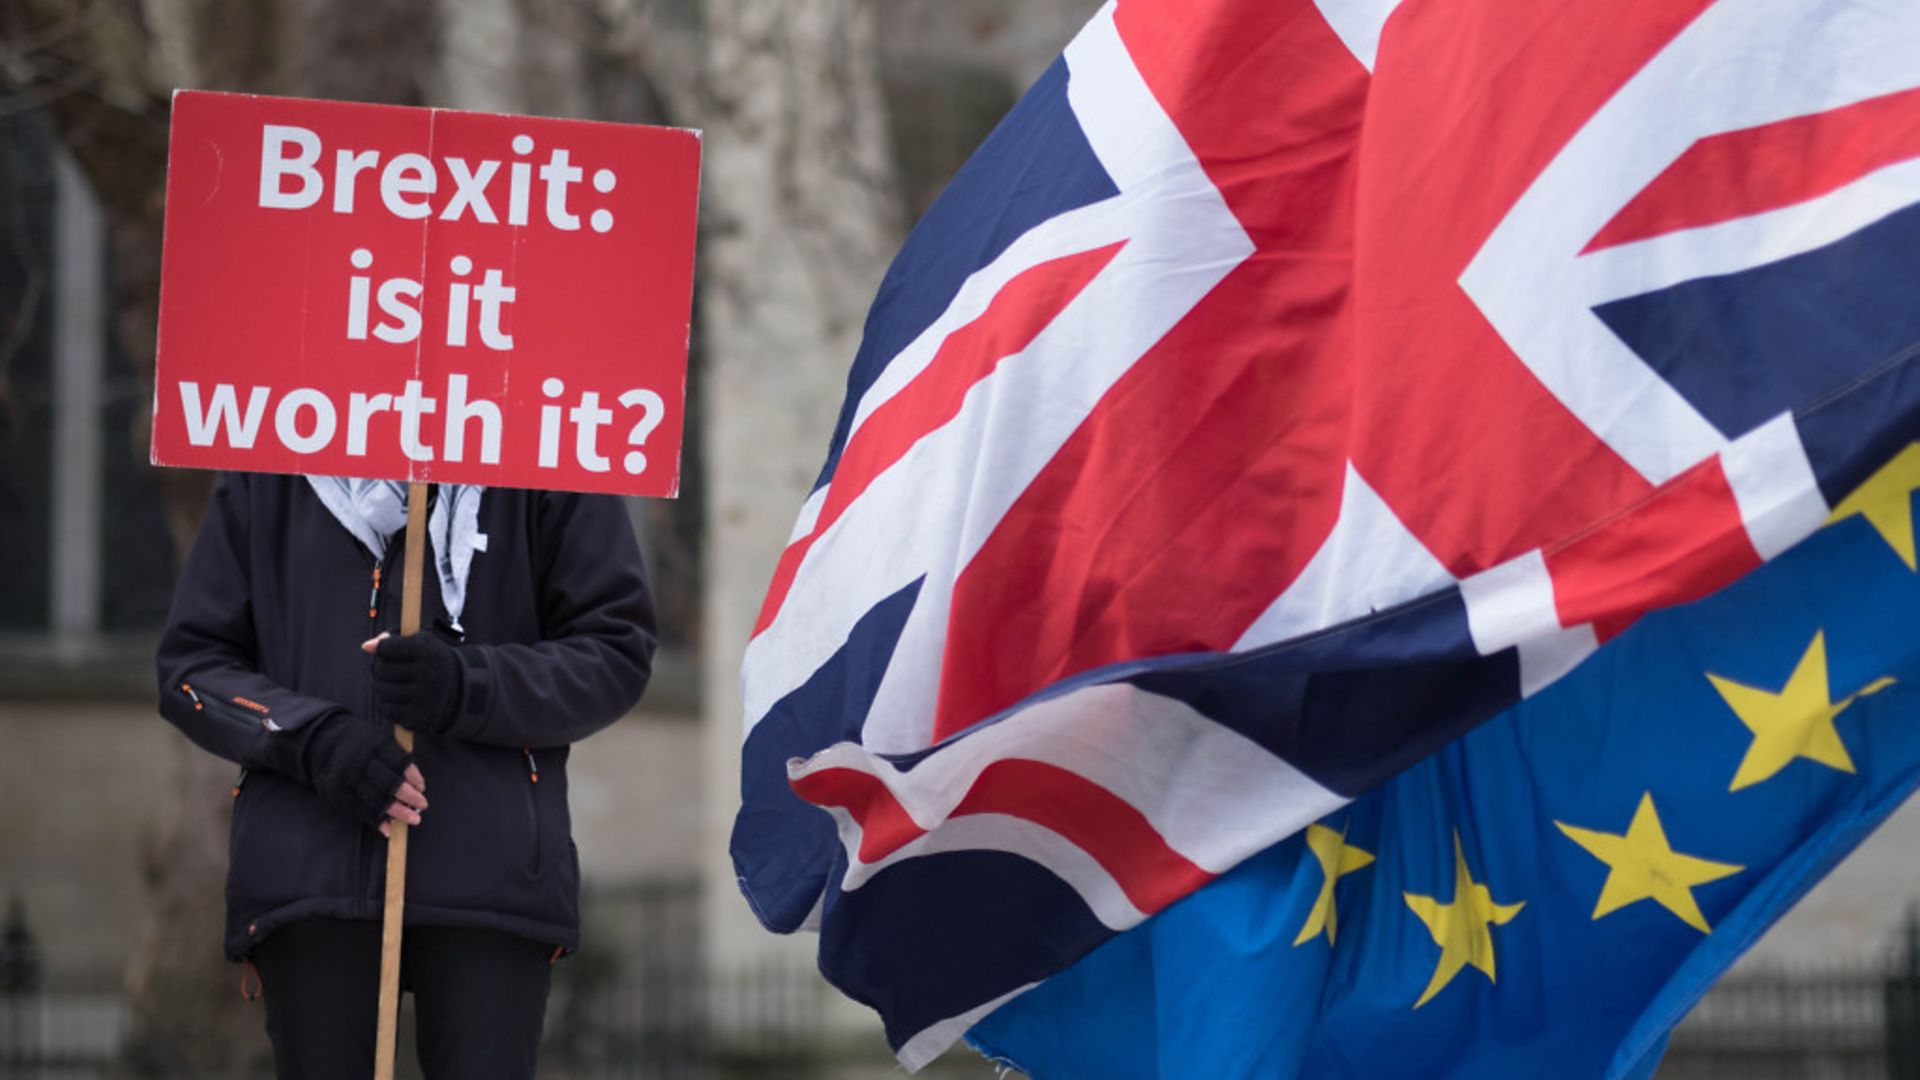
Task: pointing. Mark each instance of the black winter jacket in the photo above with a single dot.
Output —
(264, 641)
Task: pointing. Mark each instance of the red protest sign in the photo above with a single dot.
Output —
(423, 294)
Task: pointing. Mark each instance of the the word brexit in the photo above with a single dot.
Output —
(291, 178)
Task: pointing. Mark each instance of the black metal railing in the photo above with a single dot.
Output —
(1834, 1022)
(1903, 1005)
(629, 1004)
(639, 1003)
(1782, 1023)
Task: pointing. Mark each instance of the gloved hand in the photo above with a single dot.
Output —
(357, 767)
(416, 681)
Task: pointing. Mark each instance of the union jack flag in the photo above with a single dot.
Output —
(1285, 387)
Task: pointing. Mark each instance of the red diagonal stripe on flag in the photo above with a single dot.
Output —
(1095, 820)
(1018, 312)
(1740, 173)
(1686, 541)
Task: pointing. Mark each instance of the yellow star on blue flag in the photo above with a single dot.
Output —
(1795, 721)
(1462, 927)
(1642, 865)
(1886, 502)
(1337, 858)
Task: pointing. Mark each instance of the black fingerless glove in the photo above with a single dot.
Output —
(416, 682)
(355, 766)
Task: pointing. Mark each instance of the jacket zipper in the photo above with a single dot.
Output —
(533, 809)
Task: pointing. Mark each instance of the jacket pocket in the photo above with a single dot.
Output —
(478, 845)
(285, 845)
(240, 712)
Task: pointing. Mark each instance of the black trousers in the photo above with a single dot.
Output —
(479, 999)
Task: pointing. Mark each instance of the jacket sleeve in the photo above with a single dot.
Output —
(597, 626)
(210, 684)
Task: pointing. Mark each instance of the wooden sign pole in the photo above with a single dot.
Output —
(397, 830)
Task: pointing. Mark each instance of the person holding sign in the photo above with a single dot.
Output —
(480, 312)
(281, 654)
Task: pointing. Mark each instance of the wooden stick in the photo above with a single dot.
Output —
(389, 1030)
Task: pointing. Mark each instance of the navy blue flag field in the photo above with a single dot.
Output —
(1284, 389)
(1547, 895)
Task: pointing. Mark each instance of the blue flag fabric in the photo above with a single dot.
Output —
(1551, 893)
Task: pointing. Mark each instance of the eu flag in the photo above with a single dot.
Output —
(1549, 894)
